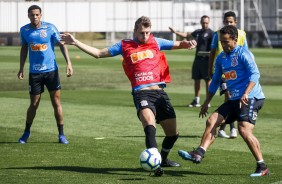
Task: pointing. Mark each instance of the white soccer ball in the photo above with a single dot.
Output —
(150, 159)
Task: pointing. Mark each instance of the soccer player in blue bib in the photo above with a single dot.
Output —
(242, 78)
(38, 38)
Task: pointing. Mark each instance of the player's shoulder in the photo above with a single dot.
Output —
(241, 32)
(47, 24)
(25, 27)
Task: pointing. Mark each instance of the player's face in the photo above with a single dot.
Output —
(228, 44)
(34, 17)
(205, 23)
(230, 21)
(142, 34)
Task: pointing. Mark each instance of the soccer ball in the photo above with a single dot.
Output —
(150, 159)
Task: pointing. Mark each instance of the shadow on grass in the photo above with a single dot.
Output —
(182, 136)
(112, 171)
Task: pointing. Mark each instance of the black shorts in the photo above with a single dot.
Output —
(231, 111)
(157, 101)
(37, 81)
(200, 68)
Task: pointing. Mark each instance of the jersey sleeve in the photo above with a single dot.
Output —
(249, 62)
(164, 44)
(23, 41)
(55, 34)
(246, 44)
(115, 49)
(214, 43)
(216, 78)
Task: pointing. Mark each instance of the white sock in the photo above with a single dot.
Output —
(197, 99)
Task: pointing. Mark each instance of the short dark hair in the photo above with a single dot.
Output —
(142, 21)
(204, 16)
(33, 7)
(231, 30)
(229, 14)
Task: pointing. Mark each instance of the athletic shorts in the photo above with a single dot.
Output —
(200, 68)
(231, 111)
(157, 101)
(37, 81)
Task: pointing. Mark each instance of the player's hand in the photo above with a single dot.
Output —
(171, 29)
(244, 99)
(67, 38)
(204, 110)
(192, 44)
(20, 75)
(69, 70)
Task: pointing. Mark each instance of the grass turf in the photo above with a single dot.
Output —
(106, 137)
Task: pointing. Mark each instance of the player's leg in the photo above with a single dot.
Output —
(246, 126)
(52, 82)
(166, 117)
(36, 87)
(147, 118)
(208, 137)
(171, 135)
(197, 85)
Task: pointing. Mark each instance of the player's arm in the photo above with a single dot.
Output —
(67, 38)
(181, 34)
(211, 61)
(216, 78)
(23, 56)
(184, 44)
(65, 52)
(214, 46)
(249, 62)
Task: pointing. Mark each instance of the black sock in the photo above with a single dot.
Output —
(232, 125)
(61, 129)
(262, 165)
(150, 133)
(201, 151)
(27, 127)
(167, 144)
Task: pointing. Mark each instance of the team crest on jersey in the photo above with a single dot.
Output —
(206, 35)
(234, 61)
(43, 33)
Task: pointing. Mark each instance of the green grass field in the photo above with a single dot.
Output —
(106, 137)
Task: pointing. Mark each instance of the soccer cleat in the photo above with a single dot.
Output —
(222, 134)
(63, 140)
(169, 163)
(260, 171)
(191, 156)
(194, 103)
(158, 172)
(24, 137)
(233, 133)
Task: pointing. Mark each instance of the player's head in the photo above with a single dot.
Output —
(229, 18)
(205, 20)
(228, 38)
(34, 15)
(33, 7)
(142, 29)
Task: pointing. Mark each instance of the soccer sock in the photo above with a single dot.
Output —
(232, 125)
(197, 99)
(201, 151)
(150, 132)
(27, 127)
(60, 129)
(261, 163)
(167, 144)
